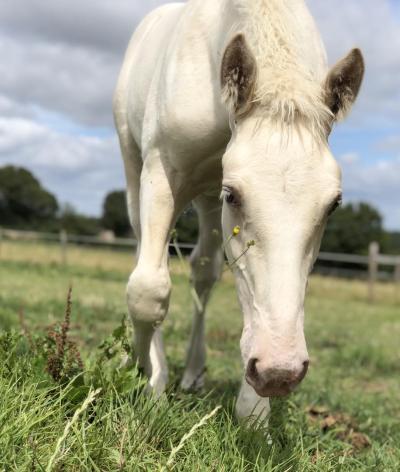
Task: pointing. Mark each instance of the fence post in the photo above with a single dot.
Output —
(372, 269)
(64, 246)
(397, 272)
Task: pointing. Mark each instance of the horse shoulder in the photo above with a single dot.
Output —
(186, 97)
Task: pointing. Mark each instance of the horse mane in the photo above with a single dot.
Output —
(288, 86)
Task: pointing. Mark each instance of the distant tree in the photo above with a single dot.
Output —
(351, 229)
(115, 218)
(24, 203)
(393, 243)
(115, 214)
(75, 223)
(187, 226)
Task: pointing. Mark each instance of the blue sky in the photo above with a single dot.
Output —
(60, 62)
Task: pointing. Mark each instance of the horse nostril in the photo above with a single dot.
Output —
(251, 371)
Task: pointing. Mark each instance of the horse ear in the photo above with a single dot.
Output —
(238, 76)
(343, 83)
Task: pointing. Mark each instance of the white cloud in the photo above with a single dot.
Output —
(79, 169)
(372, 26)
(377, 182)
(67, 79)
(16, 132)
(97, 24)
(66, 55)
(60, 61)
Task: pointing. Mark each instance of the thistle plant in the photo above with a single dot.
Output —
(249, 245)
(235, 232)
(63, 357)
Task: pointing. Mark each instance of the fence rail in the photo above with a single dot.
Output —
(18, 235)
(372, 261)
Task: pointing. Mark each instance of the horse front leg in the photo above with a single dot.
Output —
(206, 262)
(149, 286)
(250, 407)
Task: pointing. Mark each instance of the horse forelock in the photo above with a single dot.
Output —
(289, 86)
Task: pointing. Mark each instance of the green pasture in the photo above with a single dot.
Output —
(345, 415)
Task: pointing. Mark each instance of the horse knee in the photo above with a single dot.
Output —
(148, 294)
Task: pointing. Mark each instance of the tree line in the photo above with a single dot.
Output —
(26, 204)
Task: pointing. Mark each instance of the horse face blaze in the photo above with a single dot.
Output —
(279, 190)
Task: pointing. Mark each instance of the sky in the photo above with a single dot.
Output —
(60, 61)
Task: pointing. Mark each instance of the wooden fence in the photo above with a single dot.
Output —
(371, 262)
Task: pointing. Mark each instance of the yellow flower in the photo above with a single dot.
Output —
(236, 231)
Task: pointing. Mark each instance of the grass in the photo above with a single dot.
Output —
(345, 415)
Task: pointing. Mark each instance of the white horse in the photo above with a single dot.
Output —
(232, 95)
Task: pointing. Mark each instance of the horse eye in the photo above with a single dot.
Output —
(335, 205)
(231, 199)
